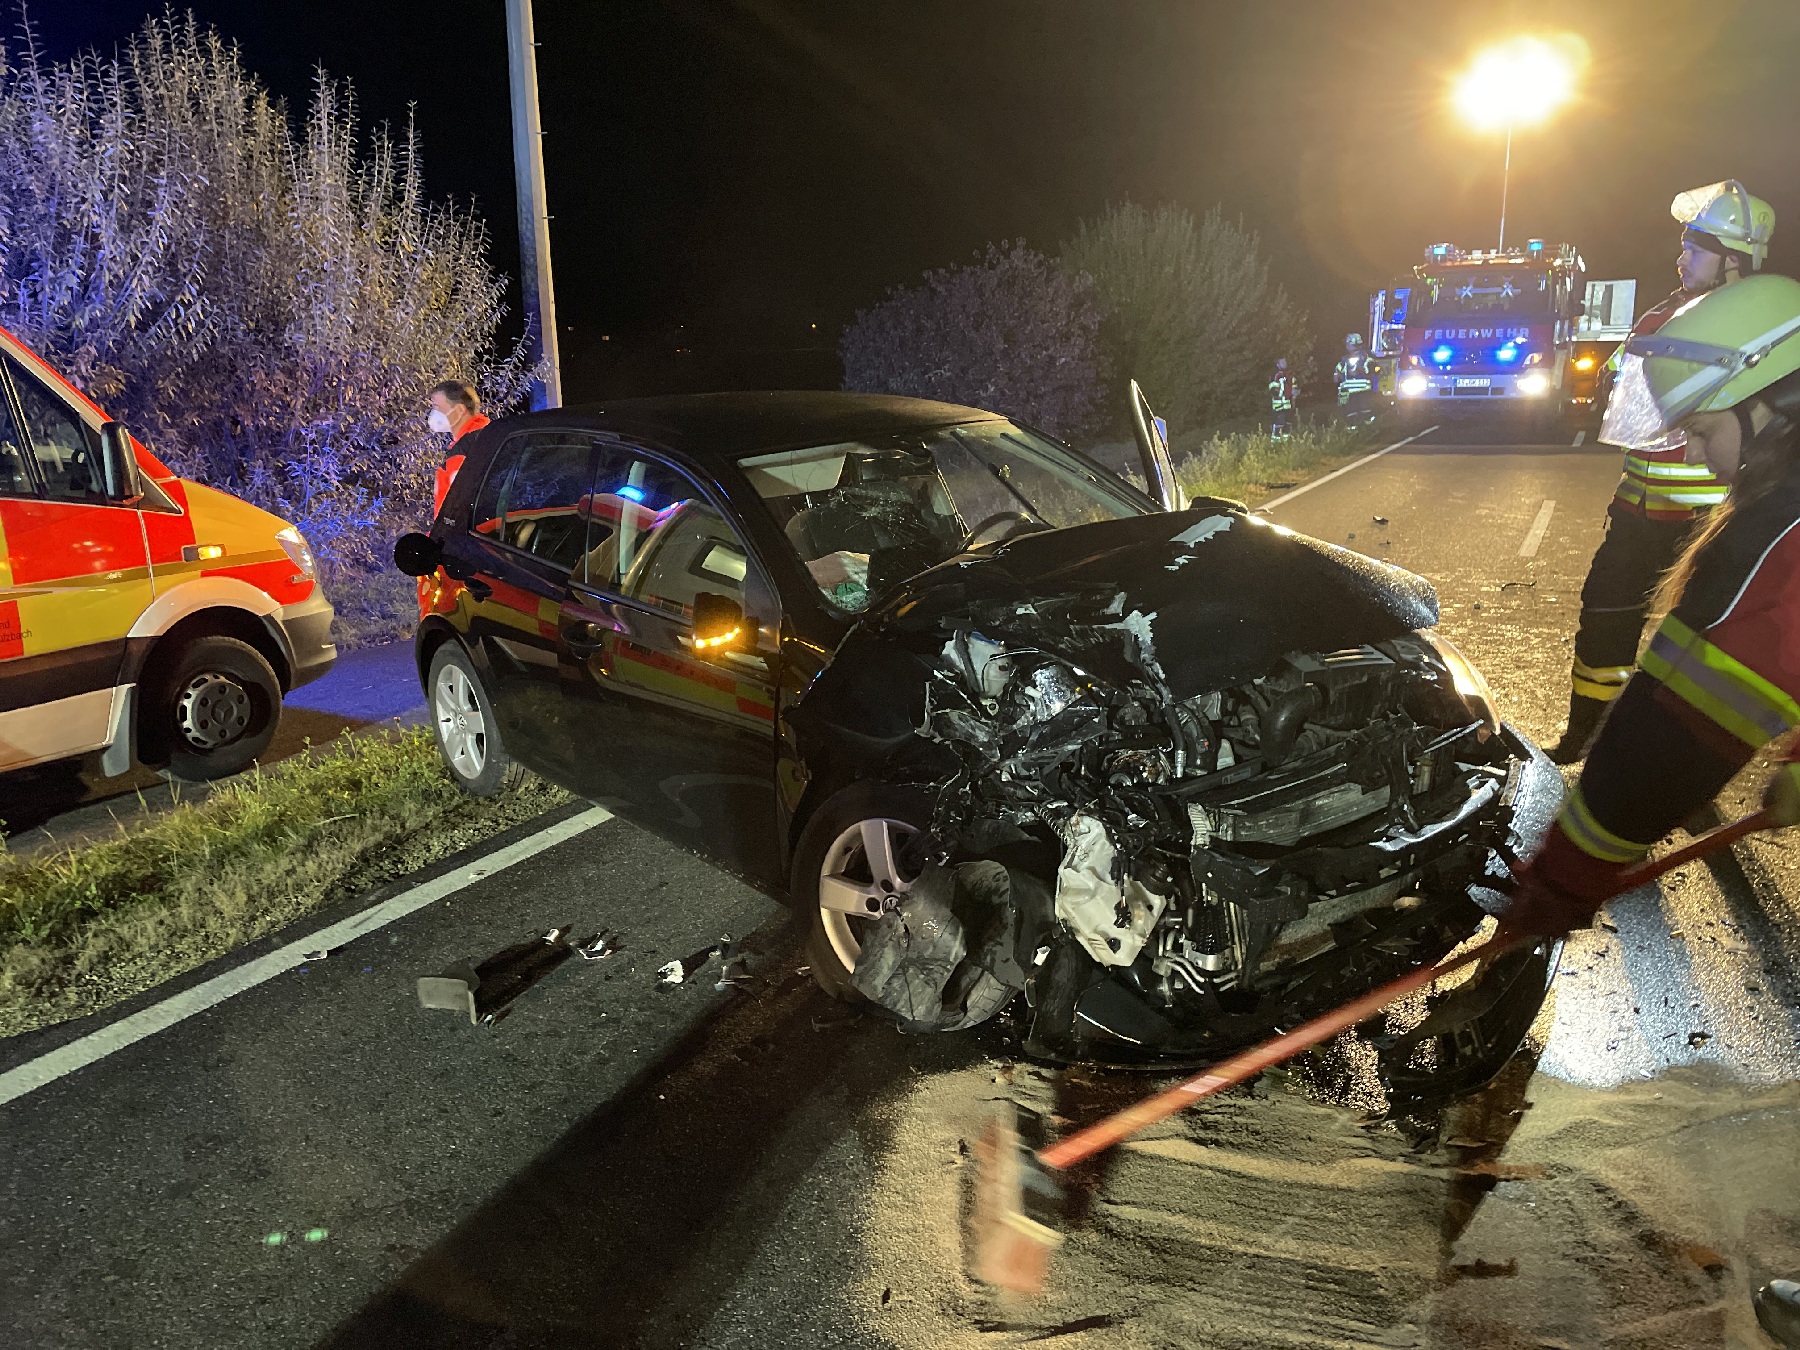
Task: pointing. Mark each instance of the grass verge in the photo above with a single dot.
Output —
(1251, 468)
(84, 927)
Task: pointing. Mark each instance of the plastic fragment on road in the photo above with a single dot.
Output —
(678, 971)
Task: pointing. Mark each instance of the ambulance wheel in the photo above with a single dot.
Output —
(468, 733)
(214, 710)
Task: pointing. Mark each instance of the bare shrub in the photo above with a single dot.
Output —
(1011, 332)
(266, 305)
(1190, 310)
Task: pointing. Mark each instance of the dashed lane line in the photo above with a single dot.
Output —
(1338, 473)
(1535, 535)
(97, 1045)
(1580, 436)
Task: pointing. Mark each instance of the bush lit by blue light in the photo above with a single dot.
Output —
(1443, 354)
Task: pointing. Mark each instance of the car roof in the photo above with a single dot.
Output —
(731, 425)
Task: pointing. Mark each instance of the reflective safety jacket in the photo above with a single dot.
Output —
(1658, 482)
(447, 475)
(1354, 376)
(1281, 393)
(1719, 680)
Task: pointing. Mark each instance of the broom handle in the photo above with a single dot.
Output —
(1116, 1128)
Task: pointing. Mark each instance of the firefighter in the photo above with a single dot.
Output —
(1282, 393)
(1355, 383)
(1661, 497)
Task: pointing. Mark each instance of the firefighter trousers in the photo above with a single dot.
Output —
(1615, 598)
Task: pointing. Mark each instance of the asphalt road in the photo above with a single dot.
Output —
(620, 1164)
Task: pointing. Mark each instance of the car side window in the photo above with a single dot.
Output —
(67, 450)
(546, 504)
(490, 502)
(682, 546)
(15, 478)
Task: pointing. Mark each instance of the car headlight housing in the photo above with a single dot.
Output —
(299, 552)
(1470, 687)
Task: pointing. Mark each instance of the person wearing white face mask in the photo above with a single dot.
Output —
(455, 412)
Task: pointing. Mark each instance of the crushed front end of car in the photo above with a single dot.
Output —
(1196, 778)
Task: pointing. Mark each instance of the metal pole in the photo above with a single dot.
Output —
(534, 215)
(1505, 180)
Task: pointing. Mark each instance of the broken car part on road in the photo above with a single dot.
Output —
(1195, 778)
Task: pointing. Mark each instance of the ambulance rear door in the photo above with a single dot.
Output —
(73, 576)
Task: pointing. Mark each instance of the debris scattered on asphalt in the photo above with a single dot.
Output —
(1485, 1270)
(597, 948)
(677, 972)
(734, 966)
(320, 955)
(1696, 1039)
(1609, 925)
(887, 1297)
(1381, 520)
(484, 992)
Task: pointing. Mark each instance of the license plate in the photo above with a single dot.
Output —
(1472, 382)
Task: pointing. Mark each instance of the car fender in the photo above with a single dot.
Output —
(196, 596)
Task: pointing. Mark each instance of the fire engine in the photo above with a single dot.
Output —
(1491, 331)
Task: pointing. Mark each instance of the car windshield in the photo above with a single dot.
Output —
(866, 515)
(1512, 292)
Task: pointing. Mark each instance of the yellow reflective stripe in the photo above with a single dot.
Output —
(1593, 838)
(1602, 682)
(1662, 468)
(1718, 685)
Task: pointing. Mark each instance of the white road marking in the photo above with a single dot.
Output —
(1338, 473)
(1580, 436)
(1535, 535)
(97, 1045)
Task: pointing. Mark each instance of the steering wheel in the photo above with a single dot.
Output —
(998, 518)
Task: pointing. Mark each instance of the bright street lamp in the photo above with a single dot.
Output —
(1520, 83)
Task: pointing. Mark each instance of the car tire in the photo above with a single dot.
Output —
(213, 710)
(465, 727)
(833, 858)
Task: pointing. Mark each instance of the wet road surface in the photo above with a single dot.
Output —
(617, 1164)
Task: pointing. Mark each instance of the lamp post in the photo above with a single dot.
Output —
(534, 211)
(1520, 83)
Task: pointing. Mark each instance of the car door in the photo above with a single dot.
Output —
(73, 576)
(679, 739)
(528, 532)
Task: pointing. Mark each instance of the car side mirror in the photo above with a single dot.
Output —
(719, 624)
(418, 555)
(118, 465)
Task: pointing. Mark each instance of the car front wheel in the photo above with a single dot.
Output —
(854, 864)
(214, 710)
(468, 733)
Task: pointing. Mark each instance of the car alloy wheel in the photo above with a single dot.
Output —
(860, 879)
(461, 727)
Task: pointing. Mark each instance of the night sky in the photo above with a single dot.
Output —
(724, 174)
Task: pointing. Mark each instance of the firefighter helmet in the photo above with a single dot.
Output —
(1352, 340)
(1281, 363)
(1726, 214)
(1716, 351)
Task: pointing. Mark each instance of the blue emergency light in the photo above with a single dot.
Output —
(628, 490)
(1443, 354)
(1535, 245)
(1510, 352)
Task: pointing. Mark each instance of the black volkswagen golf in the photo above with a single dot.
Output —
(1004, 728)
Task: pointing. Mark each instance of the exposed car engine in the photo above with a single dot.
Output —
(1167, 875)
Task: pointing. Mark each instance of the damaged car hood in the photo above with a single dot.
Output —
(1211, 595)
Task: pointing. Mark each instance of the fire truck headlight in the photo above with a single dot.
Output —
(1413, 385)
(1534, 384)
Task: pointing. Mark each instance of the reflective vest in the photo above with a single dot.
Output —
(1724, 667)
(1658, 482)
(1281, 393)
(1353, 377)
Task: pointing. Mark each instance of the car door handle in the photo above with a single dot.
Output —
(584, 636)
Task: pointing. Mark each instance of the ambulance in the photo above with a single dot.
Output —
(141, 615)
